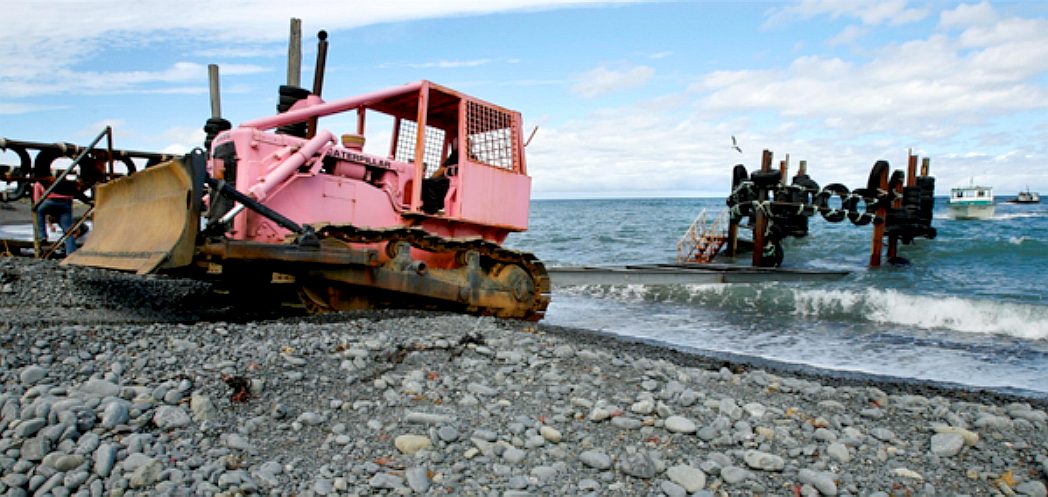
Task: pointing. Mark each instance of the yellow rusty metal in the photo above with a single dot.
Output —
(143, 222)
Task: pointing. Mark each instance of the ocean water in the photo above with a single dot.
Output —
(970, 309)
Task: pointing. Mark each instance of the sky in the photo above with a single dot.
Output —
(631, 99)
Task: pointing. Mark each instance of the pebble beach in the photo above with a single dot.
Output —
(120, 385)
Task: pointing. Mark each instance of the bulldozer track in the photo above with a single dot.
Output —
(423, 240)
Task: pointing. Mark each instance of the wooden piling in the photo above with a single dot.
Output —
(733, 239)
(925, 165)
(877, 244)
(911, 170)
(294, 54)
(212, 79)
(761, 222)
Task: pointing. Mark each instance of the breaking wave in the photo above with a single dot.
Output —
(880, 306)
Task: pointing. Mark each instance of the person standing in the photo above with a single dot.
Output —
(58, 204)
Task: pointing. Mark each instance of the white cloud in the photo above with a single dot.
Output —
(181, 140)
(932, 94)
(602, 80)
(241, 52)
(15, 108)
(968, 15)
(40, 54)
(900, 89)
(97, 82)
(442, 64)
(869, 12)
(848, 35)
(92, 130)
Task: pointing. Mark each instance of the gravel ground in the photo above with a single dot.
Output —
(124, 385)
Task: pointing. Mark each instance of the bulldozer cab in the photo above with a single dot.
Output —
(468, 155)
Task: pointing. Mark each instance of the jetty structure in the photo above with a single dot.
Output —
(898, 204)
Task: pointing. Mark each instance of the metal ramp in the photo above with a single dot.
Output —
(703, 239)
(682, 274)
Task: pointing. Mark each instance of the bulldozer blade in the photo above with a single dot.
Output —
(143, 222)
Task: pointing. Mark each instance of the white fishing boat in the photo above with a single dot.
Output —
(971, 202)
(1026, 197)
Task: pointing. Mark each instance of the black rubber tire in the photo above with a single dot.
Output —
(927, 204)
(43, 161)
(874, 181)
(810, 188)
(291, 94)
(854, 215)
(24, 169)
(738, 175)
(822, 201)
(741, 198)
(896, 180)
(25, 164)
(911, 195)
(775, 258)
(216, 125)
(766, 179)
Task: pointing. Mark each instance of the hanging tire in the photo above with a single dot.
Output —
(822, 202)
(857, 217)
(809, 188)
(44, 159)
(774, 256)
(24, 169)
(25, 165)
(879, 168)
(740, 199)
(738, 175)
(766, 179)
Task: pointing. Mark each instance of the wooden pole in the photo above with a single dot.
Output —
(911, 170)
(733, 238)
(925, 166)
(893, 241)
(760, 224)
(212, 80)
(294, 54)
(802, 168)
(877, 244)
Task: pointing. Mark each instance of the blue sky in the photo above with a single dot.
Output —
(631, 98)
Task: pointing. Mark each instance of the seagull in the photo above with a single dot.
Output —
(735, 144)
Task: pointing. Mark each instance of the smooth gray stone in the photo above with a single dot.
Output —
(417, 479)
(386, 480)
(36, 448)
(427, 418)
(115, 413)
(947, 444)
(171, 417)
(638, 466)
(734, 474)
(100, 388)
(29, 427)
(105, 459)
(31, 375)
(595, 460)
(821, 480)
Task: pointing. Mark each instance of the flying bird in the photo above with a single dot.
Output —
(735, 144)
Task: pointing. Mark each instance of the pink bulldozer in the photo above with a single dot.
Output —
(280, 203)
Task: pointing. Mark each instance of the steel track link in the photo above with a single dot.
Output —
(423, 240)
